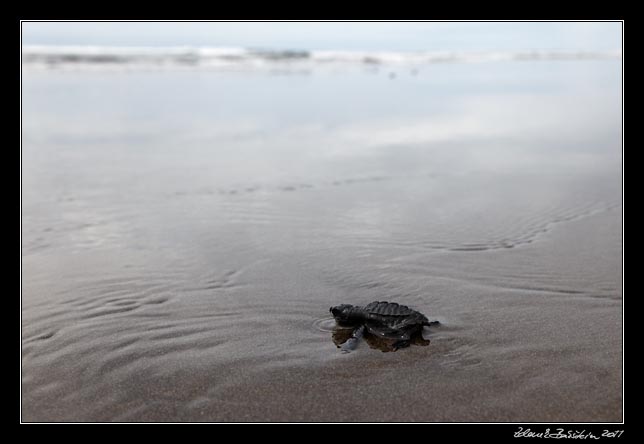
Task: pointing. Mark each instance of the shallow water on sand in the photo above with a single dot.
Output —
(185, 233)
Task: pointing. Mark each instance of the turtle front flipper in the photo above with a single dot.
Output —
(350, 344)
(340, 335)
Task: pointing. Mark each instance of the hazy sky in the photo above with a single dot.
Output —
(401, 36)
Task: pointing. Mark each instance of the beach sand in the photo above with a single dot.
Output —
(185, 233)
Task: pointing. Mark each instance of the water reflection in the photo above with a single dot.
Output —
(347, 339)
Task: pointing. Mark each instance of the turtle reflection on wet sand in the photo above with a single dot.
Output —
(386, 326)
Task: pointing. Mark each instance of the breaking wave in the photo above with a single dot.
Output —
(222, 57)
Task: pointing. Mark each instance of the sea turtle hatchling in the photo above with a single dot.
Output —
(390, 325)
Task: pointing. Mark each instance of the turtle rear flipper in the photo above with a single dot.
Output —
(417, 339)
(401, 344)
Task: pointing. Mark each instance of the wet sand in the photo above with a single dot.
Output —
(184, 235)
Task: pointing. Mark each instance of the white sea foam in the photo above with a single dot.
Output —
(213, 57)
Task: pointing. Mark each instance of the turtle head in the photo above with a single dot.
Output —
(344, 314)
